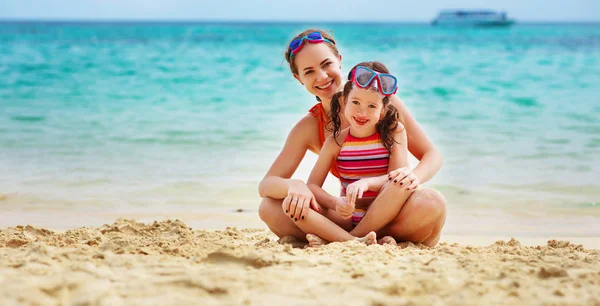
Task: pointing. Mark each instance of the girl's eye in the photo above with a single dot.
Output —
(372, 106)
(355, 102)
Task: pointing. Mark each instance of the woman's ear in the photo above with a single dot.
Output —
(298, 78)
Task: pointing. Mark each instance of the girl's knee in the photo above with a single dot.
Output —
(397, 189)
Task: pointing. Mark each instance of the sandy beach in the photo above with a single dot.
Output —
(169, 263)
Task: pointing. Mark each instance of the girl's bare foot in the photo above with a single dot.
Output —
(370, 238)
(315, 241)
(387, 240)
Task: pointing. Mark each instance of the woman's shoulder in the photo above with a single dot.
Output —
(306, 128)
(400, 128)
(308, 122)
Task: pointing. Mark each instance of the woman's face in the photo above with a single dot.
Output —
(319, 70)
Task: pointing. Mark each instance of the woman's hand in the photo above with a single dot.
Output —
(404, 177)
(298, 201)
(343, 208)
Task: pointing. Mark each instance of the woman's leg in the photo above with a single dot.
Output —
(279, 223)
(420, 220)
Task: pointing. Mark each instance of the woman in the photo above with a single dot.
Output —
(315, 62)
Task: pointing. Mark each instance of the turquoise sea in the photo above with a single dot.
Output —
(160, 117)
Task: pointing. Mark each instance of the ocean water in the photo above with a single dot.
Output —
(159, 116)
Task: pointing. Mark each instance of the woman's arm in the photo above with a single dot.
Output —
(277, 182)
(319, 172)
(419, 145)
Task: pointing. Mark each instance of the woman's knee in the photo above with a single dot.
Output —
(429, 201)
(267, 209)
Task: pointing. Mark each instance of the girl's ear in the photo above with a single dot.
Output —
(383, 113)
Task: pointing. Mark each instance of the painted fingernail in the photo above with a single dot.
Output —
(395, 181)
(401, 183)
(295, 219)
(302, 217)
(291, 216)
(389, 178)
(286, 211)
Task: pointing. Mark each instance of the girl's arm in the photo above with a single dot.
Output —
(419, 145)
(398, 159)
(319, 172)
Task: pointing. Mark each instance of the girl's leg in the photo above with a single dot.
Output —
(328, 226)
(321, 226)
(383, 210)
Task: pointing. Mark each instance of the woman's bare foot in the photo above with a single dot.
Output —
(387, 240)
(315, 241)
(370, 238)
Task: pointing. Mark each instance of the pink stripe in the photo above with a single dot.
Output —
(363, 163)
(349, 152)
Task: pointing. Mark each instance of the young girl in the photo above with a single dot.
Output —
(364, 154)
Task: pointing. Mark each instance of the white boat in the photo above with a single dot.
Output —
(474, 18)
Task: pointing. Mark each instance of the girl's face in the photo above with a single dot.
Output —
(319, 70)
(363, 109)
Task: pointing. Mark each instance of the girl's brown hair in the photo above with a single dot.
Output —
(386, 125)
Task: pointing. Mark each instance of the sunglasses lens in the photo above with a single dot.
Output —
(295, 43)
(314, 36)
(388, 83)
(363, 76)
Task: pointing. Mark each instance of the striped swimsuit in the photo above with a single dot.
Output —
(361, 158)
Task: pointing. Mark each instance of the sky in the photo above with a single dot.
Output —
(284, 10)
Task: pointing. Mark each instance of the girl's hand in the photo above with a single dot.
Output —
(343, 208)
(298, 201)
(404, 177)
(356, 190)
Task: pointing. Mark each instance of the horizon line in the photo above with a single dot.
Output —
(164, 20)
(181, 20)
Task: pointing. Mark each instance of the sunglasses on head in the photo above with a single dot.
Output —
(364, 77)
(313, 38)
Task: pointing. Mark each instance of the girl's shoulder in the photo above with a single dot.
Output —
(341, 137)
(338, 140)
